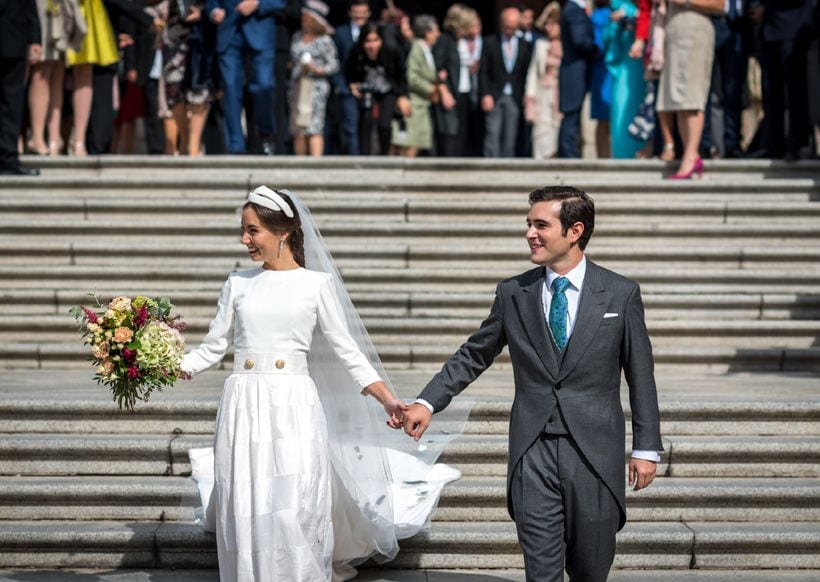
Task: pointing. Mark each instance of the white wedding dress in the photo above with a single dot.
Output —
(279, 493)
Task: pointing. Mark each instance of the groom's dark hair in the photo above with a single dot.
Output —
(576, 206)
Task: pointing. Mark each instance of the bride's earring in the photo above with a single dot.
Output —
(281, 246)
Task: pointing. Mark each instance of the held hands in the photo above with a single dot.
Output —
(395, 409)
(641, 473)
(416, 420)
(35, 53)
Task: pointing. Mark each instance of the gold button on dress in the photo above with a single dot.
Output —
(280, 364)
(248, 364)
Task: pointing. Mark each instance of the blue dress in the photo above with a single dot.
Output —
(600, 82)
(628, 85)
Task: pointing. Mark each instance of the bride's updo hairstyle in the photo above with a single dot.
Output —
(268, 206)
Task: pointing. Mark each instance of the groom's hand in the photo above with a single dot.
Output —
(641, 473)
(416, 420)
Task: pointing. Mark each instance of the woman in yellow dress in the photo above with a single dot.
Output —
(99, 48)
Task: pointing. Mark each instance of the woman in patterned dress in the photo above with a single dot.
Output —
(314, 59)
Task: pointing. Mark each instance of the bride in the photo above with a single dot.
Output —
(301, 481)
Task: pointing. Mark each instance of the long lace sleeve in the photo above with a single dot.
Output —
(215, 344)
(332, 323)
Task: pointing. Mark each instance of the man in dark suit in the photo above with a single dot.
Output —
(578, 43)
(348, 106)
(19, 42)
(503, 72)
(246, 26)
(733, 38)
(571, 327)
(786, 32)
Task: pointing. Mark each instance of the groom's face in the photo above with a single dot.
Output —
(548, 244)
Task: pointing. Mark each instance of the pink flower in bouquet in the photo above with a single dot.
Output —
(123, 335)
(89, 315)
(133, 372)
(108, 366)
(140, 317)
(129, 355)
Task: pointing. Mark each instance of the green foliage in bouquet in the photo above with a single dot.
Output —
(136, 345)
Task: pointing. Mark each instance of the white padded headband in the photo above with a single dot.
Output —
(264, 196)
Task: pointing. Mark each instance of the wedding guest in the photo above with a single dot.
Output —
(628, 85)
(600, 81)
(346, 36)
(471, 118)
(787, 31)
(314, 60)
(19, 46)
(684, 84)
(579, 50)
(378, 82)
(99, 48)
(446, 113)
(100, 132)
(528, 29)
(61, 28)
(504, 63)
(397, 29)
(246, 28)
(541, 100)
(417, 133)
(187, 63)
(732, 47)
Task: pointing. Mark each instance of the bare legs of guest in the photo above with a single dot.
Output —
(666, 122)
(176, 131)
(82, 97)
(603, 146)
(690, 125)
(196, 124)
(45, 99)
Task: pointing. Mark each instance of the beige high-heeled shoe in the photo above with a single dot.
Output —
(35, 148)
(55, 148)
(77, 148)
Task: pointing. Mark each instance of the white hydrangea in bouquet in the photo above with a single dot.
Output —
(136, 345)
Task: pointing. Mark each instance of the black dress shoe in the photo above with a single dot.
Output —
(791, 156)
(15, 168)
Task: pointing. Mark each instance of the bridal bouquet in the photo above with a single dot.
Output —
(136, 345)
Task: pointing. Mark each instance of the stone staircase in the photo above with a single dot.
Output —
(731, 280)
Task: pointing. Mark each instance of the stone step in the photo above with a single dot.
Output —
(370, 574)
(476, 455)
(683, 306)
(671, 545)
(436, 280)
(411, 209)
(431, 357)
(511, 258)
(470, 499)
(674, 545)
(450, 332)
(755, 169)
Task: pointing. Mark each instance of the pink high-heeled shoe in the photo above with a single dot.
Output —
(697, 170)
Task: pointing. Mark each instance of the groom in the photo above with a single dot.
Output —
(571, 327)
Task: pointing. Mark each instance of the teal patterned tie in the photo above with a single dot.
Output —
(558, 312)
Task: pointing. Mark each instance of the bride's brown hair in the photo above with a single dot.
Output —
(276, 221)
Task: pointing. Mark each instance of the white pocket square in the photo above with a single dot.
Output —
(608, 315)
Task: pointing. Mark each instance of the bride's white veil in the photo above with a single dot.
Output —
(355, 424)
(362, 447)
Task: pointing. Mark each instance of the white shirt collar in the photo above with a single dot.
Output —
(580, 3)
(575, 276)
